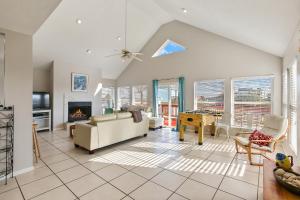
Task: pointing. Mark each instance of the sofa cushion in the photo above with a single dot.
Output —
(102, 118)
(123, 115)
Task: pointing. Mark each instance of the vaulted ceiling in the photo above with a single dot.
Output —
(25, 16)
(103, 21)
(267, 25)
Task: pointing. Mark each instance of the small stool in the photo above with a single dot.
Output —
(72, 128)
(36, 147)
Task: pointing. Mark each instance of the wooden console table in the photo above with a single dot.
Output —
(272, 190)
(198, 120)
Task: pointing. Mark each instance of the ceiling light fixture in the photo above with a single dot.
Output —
(184, 10)
(78, 21)
(119, 38)
(88, 51)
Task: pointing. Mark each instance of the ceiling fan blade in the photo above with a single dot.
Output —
(136, 58)
(117, 54)
(138, 53)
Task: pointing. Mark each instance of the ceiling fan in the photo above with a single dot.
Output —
(125, 53)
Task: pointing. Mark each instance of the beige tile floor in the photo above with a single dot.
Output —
(154, 167)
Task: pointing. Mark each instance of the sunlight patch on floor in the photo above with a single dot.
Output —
(216, 147)
(156, 145)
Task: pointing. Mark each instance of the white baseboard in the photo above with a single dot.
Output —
(58, 129)
(21, 171)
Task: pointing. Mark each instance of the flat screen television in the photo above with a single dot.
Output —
(40, 100)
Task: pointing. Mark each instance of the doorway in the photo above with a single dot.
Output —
(168, 102)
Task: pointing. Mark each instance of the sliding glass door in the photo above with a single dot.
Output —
(168, 102)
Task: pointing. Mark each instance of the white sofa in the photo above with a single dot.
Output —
(109, 129)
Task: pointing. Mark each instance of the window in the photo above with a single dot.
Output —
(123, 96)
(252, 98)
(107, 98)
(285, 93)
(292, 105)
(169, 47)
(139, 97)
(209, 95)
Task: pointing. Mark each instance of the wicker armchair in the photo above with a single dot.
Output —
(273, 125)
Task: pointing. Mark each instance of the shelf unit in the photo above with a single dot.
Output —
(42, 118)
(6, 142)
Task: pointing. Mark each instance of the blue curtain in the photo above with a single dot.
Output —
(181, 106)
(154, 100)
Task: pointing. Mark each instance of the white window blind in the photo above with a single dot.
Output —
(107, 97)
(285, 93)
(123, 96)
(139, 97)
(252, 98)
(292, 106)
(209, 95)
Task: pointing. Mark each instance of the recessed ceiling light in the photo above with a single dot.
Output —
(88, 51)
(119, 38)
(78, 21)
(184, 10)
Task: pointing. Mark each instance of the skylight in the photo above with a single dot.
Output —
(169, 47)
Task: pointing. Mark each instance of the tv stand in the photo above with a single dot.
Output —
(42, 118)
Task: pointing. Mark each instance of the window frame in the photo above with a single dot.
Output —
(118, 96)
(157, 53)
(113, 97)
(195, 83)
(133, 97)
(249, 78)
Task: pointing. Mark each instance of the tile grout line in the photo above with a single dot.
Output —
(164, 169)
(130, 170)
(81, 164)
(187, 178)
(20, 189)
(55, 187)
(234, 179)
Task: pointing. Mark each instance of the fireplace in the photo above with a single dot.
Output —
(78, 111)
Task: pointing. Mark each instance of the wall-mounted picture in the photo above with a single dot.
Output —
(79, 82)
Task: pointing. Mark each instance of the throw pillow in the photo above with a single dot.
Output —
(257, 135)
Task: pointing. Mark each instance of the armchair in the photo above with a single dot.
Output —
(274, 126)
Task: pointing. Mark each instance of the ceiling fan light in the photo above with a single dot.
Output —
(184, 10)
(88, 51)
(78, 21)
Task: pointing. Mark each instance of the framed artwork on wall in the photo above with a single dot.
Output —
(79, 82)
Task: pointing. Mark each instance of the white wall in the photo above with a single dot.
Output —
(18, 87)
(41, 80)
(61, 84)
(208, 56)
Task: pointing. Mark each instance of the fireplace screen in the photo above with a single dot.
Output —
(79, 111)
